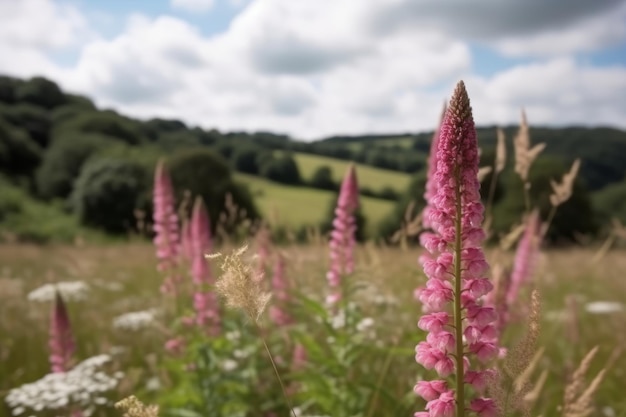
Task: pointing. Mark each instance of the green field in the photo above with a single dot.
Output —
(294, 206)
(373, 178)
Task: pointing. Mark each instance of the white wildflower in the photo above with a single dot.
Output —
(229, 365)
(153, 384)
(81, 388)
(603, 307)
(70, 291)
(365, 324)
(135, 320)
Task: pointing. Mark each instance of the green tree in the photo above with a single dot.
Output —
(204, 173)
(611, 202)
(574, 217)
(33, 119)
(323, 178)
(283, 169)
(40, 92)
(63, 161)
(19, 154)
(103, 122)
(107, 192)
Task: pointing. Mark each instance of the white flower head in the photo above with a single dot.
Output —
(135, 320)
(83, 387)
(69, 290)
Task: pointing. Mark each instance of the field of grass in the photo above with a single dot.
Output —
(123, 279)
(296, 206)
(374, 178)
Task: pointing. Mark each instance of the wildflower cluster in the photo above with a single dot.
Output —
(83, 387)
(135, 320)
(458, 325)
(69, 290)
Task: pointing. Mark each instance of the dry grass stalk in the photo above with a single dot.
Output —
(563, 191)
(517, 361)
(240, 286)
(132, 407)
(512, 237)
(524, 154)
(411, 226)
(578, 401)
(532, 397)
(500, 152)
(483, 172)
(524, 377)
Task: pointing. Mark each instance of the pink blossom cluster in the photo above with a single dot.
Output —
(280, 289)
(342, 238)
(430, 189)
(205, 302)
(166, 239)
(459, 326)
(61, 342)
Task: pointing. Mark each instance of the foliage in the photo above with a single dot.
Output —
(63, 161)
(282, 169)
(19, 154)
(40, 92)
(104, 122)
(107, 192)
(611, 202)
(323, 179)
(28, 220)
(33, 119)
(572, 219)
(204, 173)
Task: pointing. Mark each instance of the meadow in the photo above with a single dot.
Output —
(122, 278)
(294, 206)
(371, 177)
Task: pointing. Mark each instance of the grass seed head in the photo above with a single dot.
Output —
(240, 285)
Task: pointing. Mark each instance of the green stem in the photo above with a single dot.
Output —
(458, 319)
(280, 380)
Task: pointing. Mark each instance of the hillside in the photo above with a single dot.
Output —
(61, 149)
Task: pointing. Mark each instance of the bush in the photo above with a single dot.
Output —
(40, 92)
(283, 169)
(19, 154)
(32, 119)
(572, 218)
(246, 159)
(31, 221)
(107, 123)
(204, 173)
(323, 178)
(611, 202)
(107, 192)
(63, 162)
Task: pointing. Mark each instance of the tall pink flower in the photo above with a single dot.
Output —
(61, 342)
(458, 325)
(280, 289)
(205, 301)
(166, 230)
(524, 264)
(343, 235)
(431, 187)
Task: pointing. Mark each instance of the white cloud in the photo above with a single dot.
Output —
(313, 68)
(33, 29)
(192, 5)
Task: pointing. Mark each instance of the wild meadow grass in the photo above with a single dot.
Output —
(292, 206)
(122, 279)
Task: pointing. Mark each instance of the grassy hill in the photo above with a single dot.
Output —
(370, 177)
(292, 206)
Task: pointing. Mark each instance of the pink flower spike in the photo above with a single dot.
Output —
(343, 236)
(61, 342)
(480, 379)
(484, 407)
(484, 351)
(166, 239)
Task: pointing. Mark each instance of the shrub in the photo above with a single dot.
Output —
(282, 169)
(323, 178)
(204, 173)
(63, 161)
(19, 154)
(107, 192)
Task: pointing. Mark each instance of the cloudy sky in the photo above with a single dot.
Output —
(312, 68)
